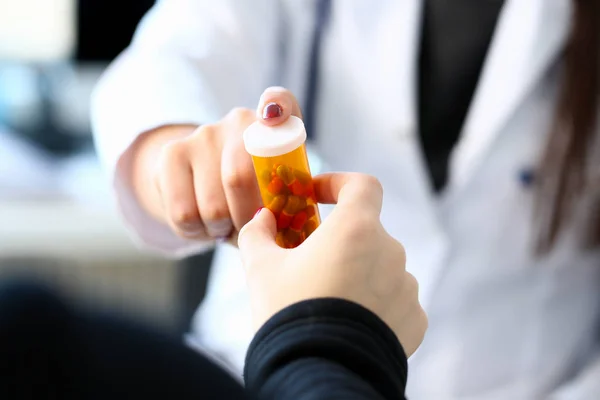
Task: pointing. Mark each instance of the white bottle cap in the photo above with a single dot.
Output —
(272, 141)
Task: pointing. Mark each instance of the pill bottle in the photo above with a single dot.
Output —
(284, 178)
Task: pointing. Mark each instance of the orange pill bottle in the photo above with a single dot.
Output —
(284, 178)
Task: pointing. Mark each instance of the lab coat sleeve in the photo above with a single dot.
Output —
(190, 62)
(585, 385)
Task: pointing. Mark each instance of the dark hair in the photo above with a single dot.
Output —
(565, 179)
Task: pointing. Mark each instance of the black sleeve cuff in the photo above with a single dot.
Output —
(340, 333)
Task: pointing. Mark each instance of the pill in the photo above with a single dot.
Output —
(292, 238)
(275, 186)
(294, 204)
(310, 193)
(267, 198)
(265, 177)
(303, 177)
(277, 204)
(298, 221)
(286, 175)
(310, 211)
(280, 239)
(297, 188)
(284, 220)
(309, 227)
(274, 170)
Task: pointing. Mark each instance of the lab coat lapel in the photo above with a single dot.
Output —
(400, 45)
(529, 37)
(386, 30)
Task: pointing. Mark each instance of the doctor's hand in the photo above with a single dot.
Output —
(200, 180)
(350, 256)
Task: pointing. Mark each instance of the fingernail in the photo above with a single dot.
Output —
(275, 89)
(257, 212)
(272, 110)
(192, 228)
(220, 228)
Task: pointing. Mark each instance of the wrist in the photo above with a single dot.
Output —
(342, 332)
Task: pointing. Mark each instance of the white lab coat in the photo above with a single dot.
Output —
(503, 324)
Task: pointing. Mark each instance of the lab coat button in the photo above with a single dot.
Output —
(527, 177)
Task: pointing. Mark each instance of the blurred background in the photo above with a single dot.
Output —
(58, 223)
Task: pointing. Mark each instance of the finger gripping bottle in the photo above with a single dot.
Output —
(284, 178)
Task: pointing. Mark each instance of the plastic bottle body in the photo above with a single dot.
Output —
(287, 190)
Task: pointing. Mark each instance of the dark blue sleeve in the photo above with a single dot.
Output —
(50, 350)
(312, 350)
(323, 349)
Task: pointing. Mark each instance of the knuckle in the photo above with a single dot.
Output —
(215, 211)
(183, 215)
(207, 135)
(412, 286)
(424, 321)
(172, 151)
(421, 322)
(238, 178)
(240, 114)
(371, 183)
(401, 253)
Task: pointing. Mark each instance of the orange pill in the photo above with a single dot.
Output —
(292, 238)
(309, 227)
(277, 204)
(285, 174)
(276, 185)
(297, 188)
(268, 199)
(284, 221)
(274, 170)
(310, 193)
(310, 211)
(298, 221)
(280, 239)
(303, 177)
(294, 204)
(265, 177)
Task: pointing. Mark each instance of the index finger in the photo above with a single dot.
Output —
(348, 188)
(237, 172)
(282, 100)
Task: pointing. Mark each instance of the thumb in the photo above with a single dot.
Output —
(276, 105)
(256, 239)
